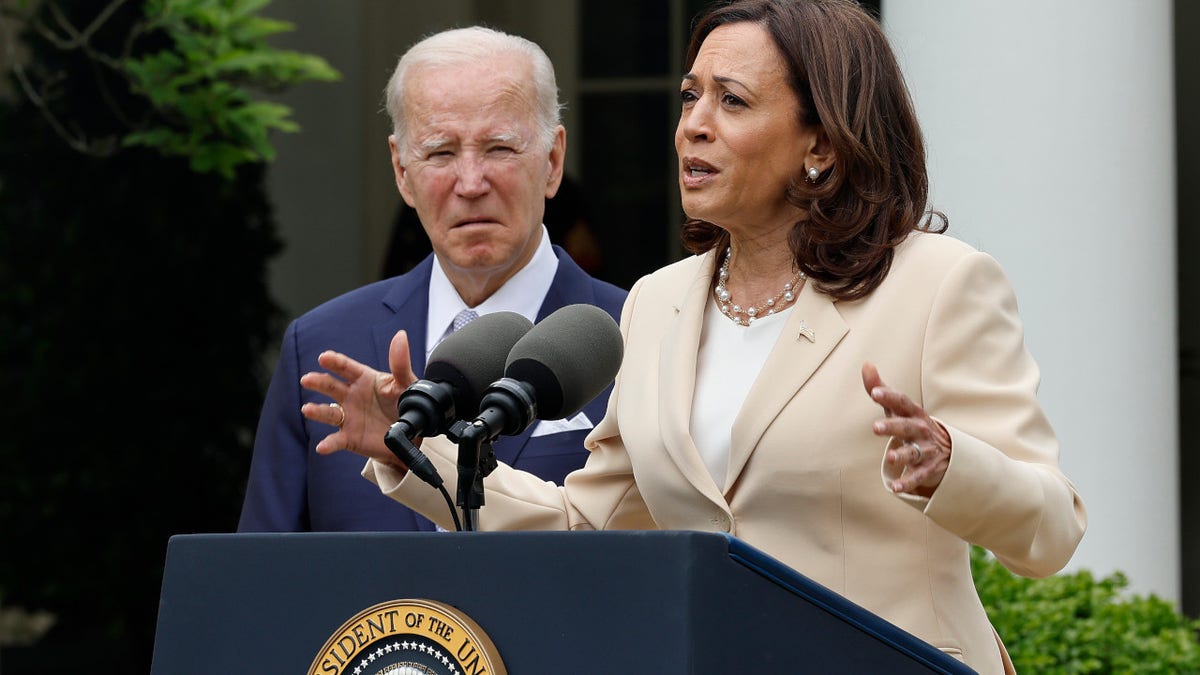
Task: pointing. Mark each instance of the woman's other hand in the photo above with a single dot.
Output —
(920, 450)
(366, 401)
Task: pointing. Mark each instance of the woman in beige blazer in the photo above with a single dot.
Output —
(828, 379)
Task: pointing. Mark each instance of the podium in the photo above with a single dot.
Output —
(551, 602)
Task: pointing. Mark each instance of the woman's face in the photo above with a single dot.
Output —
(739, 140)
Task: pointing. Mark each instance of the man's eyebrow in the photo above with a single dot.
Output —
(507, 137)
(431, 144)
(435, 144)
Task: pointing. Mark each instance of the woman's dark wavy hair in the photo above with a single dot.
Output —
(848, 82)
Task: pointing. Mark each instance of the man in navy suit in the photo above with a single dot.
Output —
(477, 148)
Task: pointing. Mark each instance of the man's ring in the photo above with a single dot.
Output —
(342, 410)
(920, 454)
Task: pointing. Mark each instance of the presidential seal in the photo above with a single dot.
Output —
(408, 637)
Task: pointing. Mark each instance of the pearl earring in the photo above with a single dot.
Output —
(813, 174)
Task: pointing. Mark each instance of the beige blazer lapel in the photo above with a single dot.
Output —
(812, 331)
(677, 380)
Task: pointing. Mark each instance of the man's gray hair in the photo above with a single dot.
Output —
(476, 44)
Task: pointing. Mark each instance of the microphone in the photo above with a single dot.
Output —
(460, 368)
(553, 370)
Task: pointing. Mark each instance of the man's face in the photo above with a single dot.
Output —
(474, 167)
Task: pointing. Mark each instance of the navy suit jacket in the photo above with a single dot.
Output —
(293, 489)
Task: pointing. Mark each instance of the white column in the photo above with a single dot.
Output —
(1051, 144)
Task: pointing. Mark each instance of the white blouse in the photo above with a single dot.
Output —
(730, 359)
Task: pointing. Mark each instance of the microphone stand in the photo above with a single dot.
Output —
(506, 406)
(476, 460)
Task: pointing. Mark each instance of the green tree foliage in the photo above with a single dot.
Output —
(195, 86)
(134, 309)
(1075, 623)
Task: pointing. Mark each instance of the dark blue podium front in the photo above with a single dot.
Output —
(552, 602)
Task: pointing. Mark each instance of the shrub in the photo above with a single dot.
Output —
(1075, 623)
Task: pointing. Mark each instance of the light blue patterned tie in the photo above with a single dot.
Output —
(464, 317)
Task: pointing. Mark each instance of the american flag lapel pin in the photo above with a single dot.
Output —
(806, 332)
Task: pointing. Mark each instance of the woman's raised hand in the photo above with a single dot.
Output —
(365, 398)
(920, 453)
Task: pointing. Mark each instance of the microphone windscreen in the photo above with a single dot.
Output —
(473, 357)
(568, 358)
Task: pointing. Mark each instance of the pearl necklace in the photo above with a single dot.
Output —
(735, 311)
